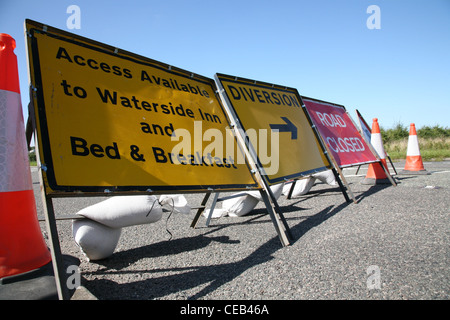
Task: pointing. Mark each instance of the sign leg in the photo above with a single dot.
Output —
(393, 167)
(280, 212)
(388, 175)
(291, 190)
(55, 250)
(338, 179)
(50, 222)
(211, 210)
(278, 227)
(200, 210)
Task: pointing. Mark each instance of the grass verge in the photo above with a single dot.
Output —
(431, 149)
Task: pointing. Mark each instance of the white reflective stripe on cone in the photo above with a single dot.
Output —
(14, 164)
(377, 144)
(413, 146)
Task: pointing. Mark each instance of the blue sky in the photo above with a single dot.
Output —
(398, 73)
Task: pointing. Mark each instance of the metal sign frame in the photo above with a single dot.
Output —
(330, 154)
(48, 193)
(234, 114)
(48, 155)
(320, 144)
(344, 110)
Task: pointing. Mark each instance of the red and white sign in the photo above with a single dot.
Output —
(339, 133)
(365, 129)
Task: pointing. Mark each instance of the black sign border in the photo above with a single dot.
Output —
(36, 27)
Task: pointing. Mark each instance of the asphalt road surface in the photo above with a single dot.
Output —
(393, 244)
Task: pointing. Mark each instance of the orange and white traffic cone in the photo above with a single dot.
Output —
(375, 173)
(414, 163)
(22, 246)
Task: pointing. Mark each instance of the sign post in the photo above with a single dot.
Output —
(271, 123)
(267, 195)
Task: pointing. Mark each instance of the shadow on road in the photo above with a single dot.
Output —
(211, 277)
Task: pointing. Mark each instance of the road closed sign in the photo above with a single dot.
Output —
(111, 120)
(339, 133)
(277, 127)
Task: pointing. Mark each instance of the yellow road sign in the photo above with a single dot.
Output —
(112, 120)
(272, 110)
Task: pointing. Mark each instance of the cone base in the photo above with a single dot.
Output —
(414, 172)
(373, 181)
(376, 172)
(414, 163)
(38, 284)
(23, 246)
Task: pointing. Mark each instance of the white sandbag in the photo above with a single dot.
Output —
(326, 177)
(276, 190)
(95, 240)
(234, 206)
(124, 211)
(177, 202)
(239, 206)
(242, 205)
(301, 187)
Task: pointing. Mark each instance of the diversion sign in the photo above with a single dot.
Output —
(110, 120)
(339, 133)
(266, 111)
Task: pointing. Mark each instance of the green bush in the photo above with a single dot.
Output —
(399, 131)
(433, 132)
(434, 142)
